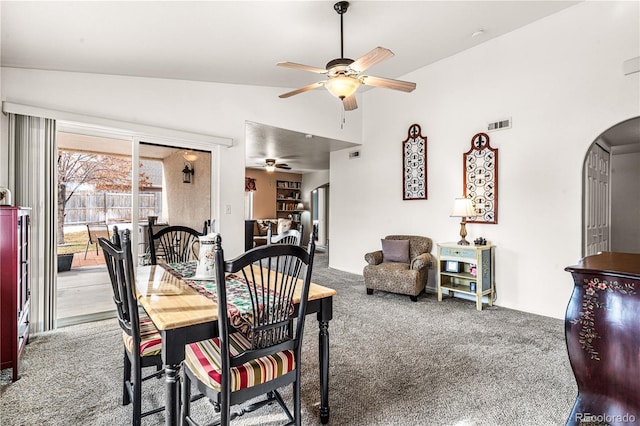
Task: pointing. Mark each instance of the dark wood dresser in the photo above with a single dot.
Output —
(602, 328)
(14, 285)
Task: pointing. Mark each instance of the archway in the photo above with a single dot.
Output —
(611, 191)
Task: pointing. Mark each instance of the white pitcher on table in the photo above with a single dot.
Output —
(206, 258)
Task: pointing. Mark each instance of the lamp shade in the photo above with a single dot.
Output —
(463, 207)
(300, 206)
(342, 86)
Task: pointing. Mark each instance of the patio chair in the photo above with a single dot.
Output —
(263, 355)
(95, 231)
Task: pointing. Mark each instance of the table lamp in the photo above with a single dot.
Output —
(463, 208)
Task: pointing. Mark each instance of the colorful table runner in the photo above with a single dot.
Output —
(239, 306)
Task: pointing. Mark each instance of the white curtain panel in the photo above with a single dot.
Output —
(32, 177)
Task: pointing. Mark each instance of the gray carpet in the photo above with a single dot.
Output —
(393, 362)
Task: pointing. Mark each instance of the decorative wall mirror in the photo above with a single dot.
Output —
(480, 180)
(414, 165)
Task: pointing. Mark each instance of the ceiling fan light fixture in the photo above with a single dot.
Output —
(342, 86)
(270, 165)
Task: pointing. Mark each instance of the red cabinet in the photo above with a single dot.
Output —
(14, 285)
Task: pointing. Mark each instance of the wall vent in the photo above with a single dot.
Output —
(499, 125)
(354, 154)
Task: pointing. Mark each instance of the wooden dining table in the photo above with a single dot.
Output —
(183, 315)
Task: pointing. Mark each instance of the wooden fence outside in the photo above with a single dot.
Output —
(92, 207)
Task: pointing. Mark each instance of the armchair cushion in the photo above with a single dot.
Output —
(283, 226)
(395, 251)
(262, 226)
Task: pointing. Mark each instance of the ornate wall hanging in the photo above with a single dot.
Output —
(480, 180)
(414, 165)
(249, 184)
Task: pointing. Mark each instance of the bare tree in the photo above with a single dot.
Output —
(104, 172)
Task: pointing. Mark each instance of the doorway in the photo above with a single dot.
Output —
(320, 216)
(611, 194)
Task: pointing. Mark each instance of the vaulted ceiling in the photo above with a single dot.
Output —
(241, 41)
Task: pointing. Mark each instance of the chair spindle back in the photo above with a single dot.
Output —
(121, 273)
(272, 276)
(173, 244)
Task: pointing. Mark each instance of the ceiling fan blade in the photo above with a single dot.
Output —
(283, 166)
(377, 55)
(302, 67)
(350, 103)
(388, 83)
(302, 89)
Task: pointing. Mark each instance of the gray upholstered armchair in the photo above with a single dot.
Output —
(401, 266)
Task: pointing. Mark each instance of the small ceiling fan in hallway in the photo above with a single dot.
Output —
(345, 75)
(270, 164)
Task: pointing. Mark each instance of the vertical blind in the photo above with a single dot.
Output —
(32, 171)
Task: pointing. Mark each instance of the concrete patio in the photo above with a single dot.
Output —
(85, 290)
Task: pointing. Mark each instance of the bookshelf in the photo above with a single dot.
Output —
(287, 198)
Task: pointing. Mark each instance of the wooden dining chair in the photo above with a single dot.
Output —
(173, 244)
(142, 342)
(292, 236)
(264, 355)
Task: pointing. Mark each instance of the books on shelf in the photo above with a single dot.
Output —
(287, 184)
(288, 195)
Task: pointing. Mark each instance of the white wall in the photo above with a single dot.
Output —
(209, 108)
(625, 201)
(561, 81)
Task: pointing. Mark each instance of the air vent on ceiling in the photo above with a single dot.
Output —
(499, 125)
(354, 154)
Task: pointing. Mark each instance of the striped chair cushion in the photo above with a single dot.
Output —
(150, 339)
(203, 359)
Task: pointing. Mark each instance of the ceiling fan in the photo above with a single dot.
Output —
(345, 75)
(271, 164)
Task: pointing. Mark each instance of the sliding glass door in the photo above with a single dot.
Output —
(94, 193)
(109, 179)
